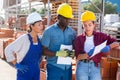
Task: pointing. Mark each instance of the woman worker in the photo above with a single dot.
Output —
(25, 52)
(88, 67)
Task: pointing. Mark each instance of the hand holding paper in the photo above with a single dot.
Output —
(105, 49)
(91, 51)
(65, 60)
(62, 53)
(70, 53)
(98, 48)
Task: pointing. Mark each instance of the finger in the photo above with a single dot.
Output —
(22, 71)
(25, 70)
(25, 66)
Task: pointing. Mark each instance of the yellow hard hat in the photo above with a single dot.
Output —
(88, 16)
(65, 10)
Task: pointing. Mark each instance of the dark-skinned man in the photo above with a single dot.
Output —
(56, 35)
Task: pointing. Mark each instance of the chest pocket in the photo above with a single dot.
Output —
(56, 39)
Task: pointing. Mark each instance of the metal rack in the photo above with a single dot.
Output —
(13, 8)
(76, 5)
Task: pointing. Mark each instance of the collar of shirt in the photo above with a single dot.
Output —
(56, 25)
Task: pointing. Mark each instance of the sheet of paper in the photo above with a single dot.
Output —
(65, 60)
(99, 48)
(69, 47)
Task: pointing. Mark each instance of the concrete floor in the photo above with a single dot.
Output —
(7, 72)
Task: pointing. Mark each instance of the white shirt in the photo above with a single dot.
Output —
(89, 43)
(20, 46)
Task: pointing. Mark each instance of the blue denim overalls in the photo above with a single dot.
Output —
(32, 60)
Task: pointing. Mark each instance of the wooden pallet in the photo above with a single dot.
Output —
(55, 6)
(74, 5)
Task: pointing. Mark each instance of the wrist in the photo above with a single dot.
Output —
(14, 62)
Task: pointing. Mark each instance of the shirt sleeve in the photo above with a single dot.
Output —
(110, 39)
(77, 46)
(46, 38)
(13, 48)
(74, 37)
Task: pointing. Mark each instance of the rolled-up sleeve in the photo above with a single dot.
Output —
(13, 48)
(77, 46)
(110, 39)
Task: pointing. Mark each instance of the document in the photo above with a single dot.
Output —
(65, 60)
(98, 48)
(69, 47)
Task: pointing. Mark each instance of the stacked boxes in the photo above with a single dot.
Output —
(5, 39)
(55, 6)
(6, 33)
(23, 22)
(20, 24)
(115, 53)
(2, 34)
(74, 4)
(108, 69)
(4, 42)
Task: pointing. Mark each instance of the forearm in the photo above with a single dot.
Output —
(47, 52)
(14, 61)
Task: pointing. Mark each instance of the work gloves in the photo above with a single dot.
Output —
(61, 53)
(91, 52)
(65, 53)
(21, 68)
(105, 49)
(71, 53)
